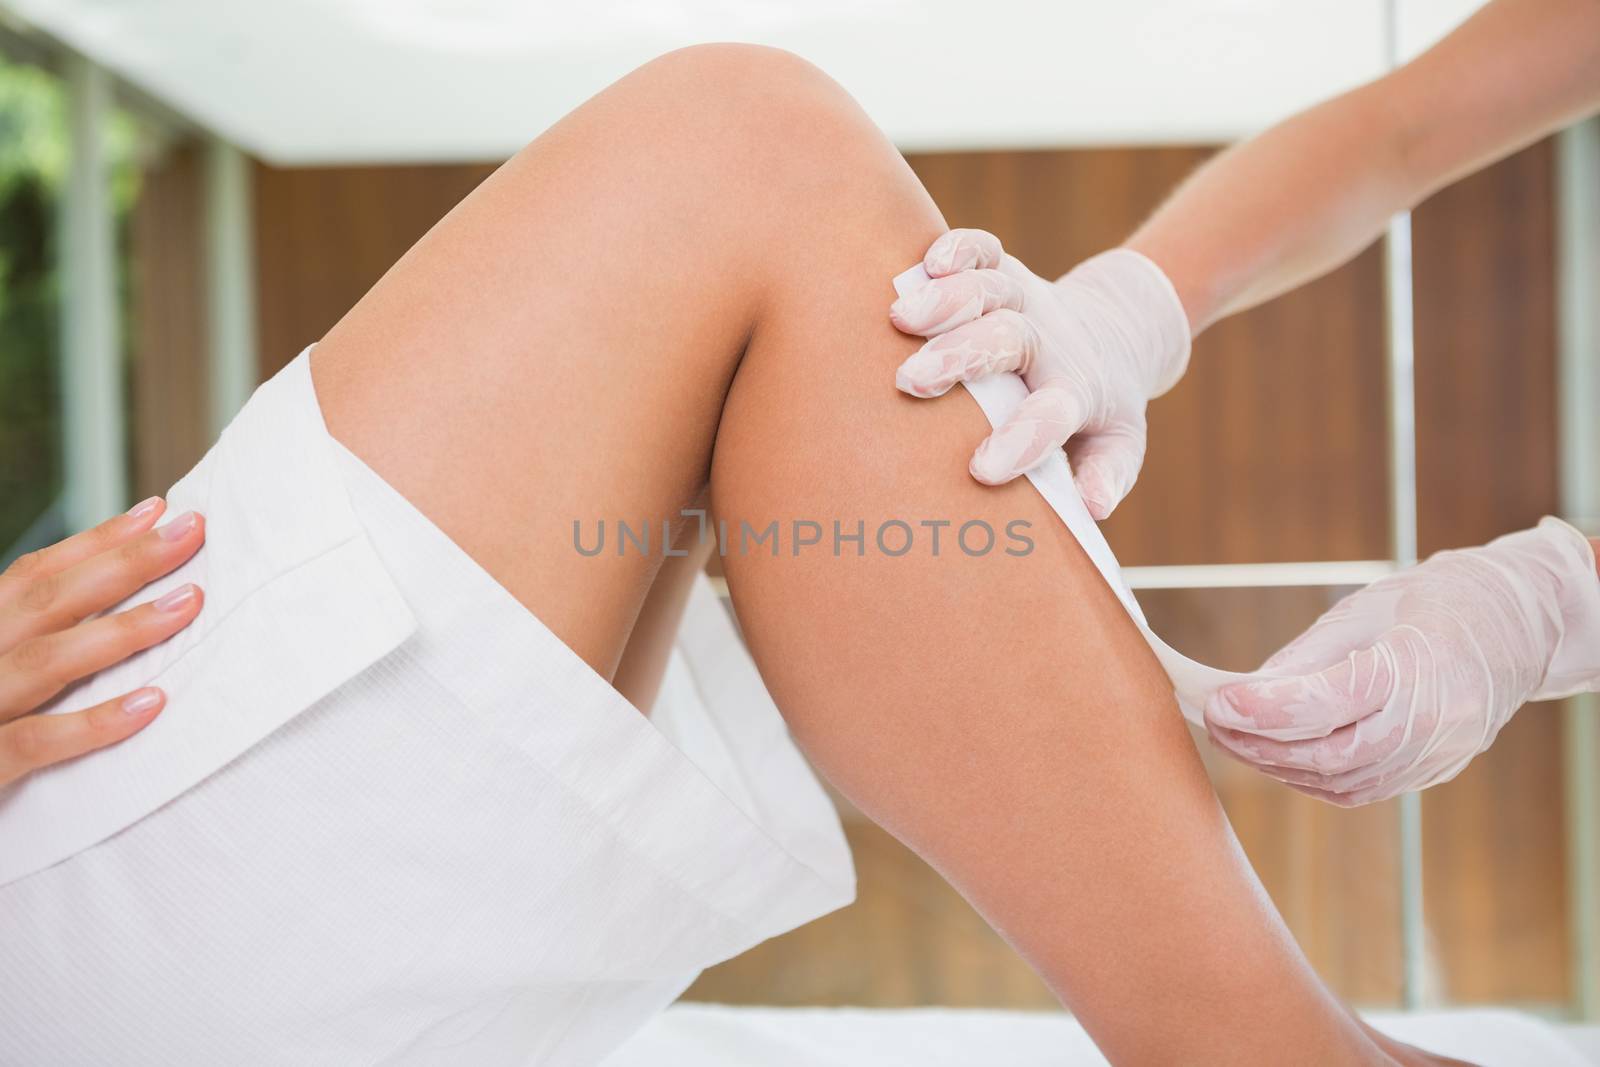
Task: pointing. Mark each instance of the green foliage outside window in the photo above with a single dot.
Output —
(33, 166)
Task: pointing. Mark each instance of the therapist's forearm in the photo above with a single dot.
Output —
(1298, 200)
(1280, 209)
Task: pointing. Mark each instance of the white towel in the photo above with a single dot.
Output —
(388, 817)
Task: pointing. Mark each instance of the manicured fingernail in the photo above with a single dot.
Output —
(144, 507)
(140, 701)
(177, 599)
(178, 527)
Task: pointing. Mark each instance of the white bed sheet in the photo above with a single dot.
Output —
(712, 1035)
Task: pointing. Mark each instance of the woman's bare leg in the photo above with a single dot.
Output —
(686, 281)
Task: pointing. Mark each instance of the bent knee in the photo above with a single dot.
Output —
(762, 106)
(725, 69)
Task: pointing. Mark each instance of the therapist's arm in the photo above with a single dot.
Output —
(46, 643)
(1291, 204)
(1401, 684)
(1263, 217)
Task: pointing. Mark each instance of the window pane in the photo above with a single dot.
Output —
(33, 158)
(34, 163)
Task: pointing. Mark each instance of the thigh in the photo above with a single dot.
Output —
(557, 349)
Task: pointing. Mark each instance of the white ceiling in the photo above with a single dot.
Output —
(321, 81)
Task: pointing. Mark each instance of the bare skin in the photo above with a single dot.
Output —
(46, 644)
(680, 288)
(1289, 205)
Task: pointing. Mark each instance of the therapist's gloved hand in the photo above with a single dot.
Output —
(1402, 683)
(1092, 348)
(45, 644)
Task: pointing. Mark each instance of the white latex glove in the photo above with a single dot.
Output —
(1402, 683)
(1092, 348)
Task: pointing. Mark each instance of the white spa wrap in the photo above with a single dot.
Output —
(388, 817)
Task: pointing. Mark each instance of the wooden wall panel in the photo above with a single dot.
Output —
(1484, 260)
(170, 423)
(325, 235)
(1487, 464)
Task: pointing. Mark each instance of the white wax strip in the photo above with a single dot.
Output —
(998, 395)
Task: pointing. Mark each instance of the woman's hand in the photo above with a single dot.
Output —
(45, 644)
(1402, 683)
(1092, 348)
